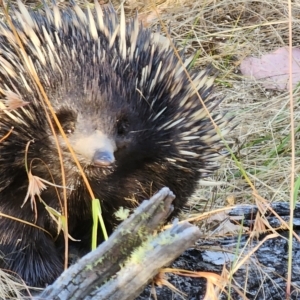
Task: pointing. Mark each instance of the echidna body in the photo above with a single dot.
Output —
(129, 111)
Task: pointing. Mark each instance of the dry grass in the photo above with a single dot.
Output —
(223, 33)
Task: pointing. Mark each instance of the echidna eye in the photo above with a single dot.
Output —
(122, 126)
(67, 119)
(70, 128)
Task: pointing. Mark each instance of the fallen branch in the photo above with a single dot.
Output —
(98, 275)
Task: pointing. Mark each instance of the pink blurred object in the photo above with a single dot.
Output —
(273, 69)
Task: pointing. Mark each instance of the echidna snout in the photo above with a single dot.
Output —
(96, 148)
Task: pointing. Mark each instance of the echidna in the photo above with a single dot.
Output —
(130, 113)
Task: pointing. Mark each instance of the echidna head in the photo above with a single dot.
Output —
(108, 121)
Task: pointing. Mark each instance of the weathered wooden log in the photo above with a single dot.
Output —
(98, 275)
